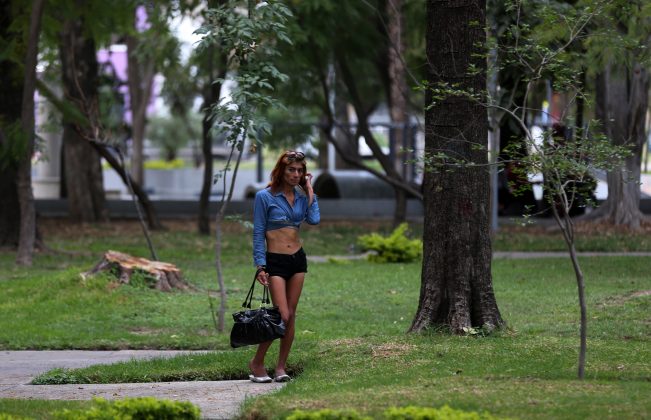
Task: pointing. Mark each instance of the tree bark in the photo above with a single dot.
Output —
(27, 236)
(397, 93)
(141, 76)
(622, 103)
(83, 172)
(211, 95)
(456, 284)
(10, 109)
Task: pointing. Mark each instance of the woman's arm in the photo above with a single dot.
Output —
(259, 229)
(313, 214)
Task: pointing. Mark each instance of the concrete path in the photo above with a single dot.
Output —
(216, 399)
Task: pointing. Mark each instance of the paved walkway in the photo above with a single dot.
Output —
(216, 399)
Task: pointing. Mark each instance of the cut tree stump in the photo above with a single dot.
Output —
(167, 276)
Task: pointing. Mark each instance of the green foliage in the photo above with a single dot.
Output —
(394, 248)
(58, 376)
(428, 413)
(327, 414)
(133, 408)
(6, 416)
(164, 164)
(252, 41)
(172, 133)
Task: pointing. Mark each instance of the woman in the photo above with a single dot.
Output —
(277, 215)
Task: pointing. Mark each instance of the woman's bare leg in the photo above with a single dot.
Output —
(285, 295)
(293, 289)
(278, 295)
(257, 363)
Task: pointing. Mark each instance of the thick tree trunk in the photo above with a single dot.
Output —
(622, 103)
(83, 172)
(10, 109)
(27, 236)
(456, 284)
(9, 208)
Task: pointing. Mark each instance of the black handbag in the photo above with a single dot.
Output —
(255, 326)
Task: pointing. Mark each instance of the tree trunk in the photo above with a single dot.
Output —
(397, 100)
(27, 236)
(153, 220)
(210, 97)
(206, 147)
(83, 172)
(141, 77)
(10, 108)
(622, 103)
(9, 207)
(456, 284)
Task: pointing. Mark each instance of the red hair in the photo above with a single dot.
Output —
(279, 170)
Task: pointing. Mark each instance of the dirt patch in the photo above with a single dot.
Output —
(146, 331)
(620, 300)
(641, 293)
(390, 350)
(345, 342)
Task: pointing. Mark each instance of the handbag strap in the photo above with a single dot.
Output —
(249, 296)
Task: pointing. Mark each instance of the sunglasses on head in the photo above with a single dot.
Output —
(292, 156)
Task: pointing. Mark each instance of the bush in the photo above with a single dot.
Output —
(6, 416)
(133, 409)
(164, 164)
(327, 414)
(397, 247)
(428, 413)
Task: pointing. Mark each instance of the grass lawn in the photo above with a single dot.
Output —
(351, 349)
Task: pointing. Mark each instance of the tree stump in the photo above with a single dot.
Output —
(166, 276)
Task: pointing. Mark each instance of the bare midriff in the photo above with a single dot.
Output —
(283, 241)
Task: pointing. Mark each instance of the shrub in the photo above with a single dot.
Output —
(396, 247)
(133, 409)
(164, 164)
(428, 413)
(327, 414)
(7, 416)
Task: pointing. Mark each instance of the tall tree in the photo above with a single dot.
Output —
(83, 172)
(10, 110)
(27, 236)
(622, 103)
(456, 284)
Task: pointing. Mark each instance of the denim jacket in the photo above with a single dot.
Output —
(272, 211)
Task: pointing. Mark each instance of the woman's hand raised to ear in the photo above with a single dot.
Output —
(308, 188)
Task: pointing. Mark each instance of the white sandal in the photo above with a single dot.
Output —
(260, 379)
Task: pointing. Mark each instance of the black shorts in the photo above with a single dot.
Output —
(286, 265)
